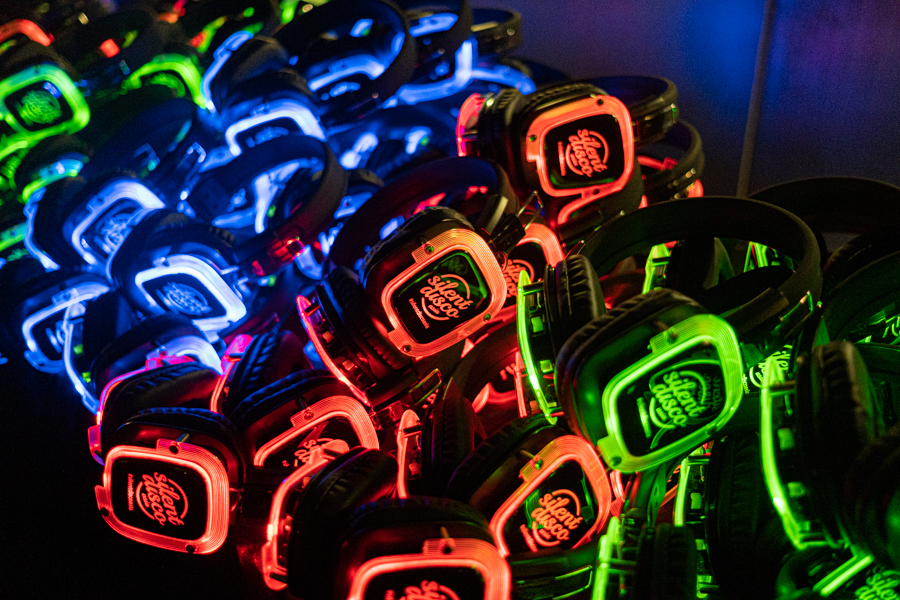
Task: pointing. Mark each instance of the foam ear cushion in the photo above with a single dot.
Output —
(121, 262)
(841, 397)
(450, 432)
(266, 399)
(268, 358)
(493, 128)
(183, 384)
(578, 298)
(867, 500)
(206, 428)
(490, 455)
(745, 536)
(671, 554)
(52, 210)
(382, 357)
(351, 480)
(254, 57)
(128, 351)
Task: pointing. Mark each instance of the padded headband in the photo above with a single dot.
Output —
(497, 30)
(301, 34)
(724, 217)
(665, 184)
(402, 196)
(650, 102)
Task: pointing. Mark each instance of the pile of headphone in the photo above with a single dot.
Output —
(351, 288)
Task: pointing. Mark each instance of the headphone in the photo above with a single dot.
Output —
(595, 157)
(170, 263)
(173, 469)
(497, 30)
(663, 563)
(761, 313)
(257, 95)
(439, 30)
(672, 165)
(651, 102)
(352, 67)
(437, 250)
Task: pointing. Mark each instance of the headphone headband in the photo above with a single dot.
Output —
(726, 217)
(650, 102)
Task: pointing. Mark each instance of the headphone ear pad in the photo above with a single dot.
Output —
(674, 565)
(182, 384)
(270, 357)
(351, 480)
(254, 57)
(745, 536)
(493, 128)
(842, 399)
(579, 298)
(383, 358)
(450, 432)
(51, 213)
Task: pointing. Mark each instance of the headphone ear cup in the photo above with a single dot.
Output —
(270, 357)
(842, 399)
(746, 539)
(383, 358)
(51, 212)
(351, 480)
(673, 574)
(254, 57)
(450, 432)
(48, 151)
(493, 128)
(267, 86)
(183, 384)
(578, 297)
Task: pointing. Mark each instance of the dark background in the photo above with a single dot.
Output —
(829, 106)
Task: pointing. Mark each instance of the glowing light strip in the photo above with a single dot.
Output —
(185, 264)
(230, 359)
(29, 212)
(65, 167)
(693, 331)
(414, 136)
(842, 574)
(323, 410)
(542, 466)
(29, 29)
(345, 67)
(543, 236)
(221, 55)
(285, 108)
(449, 241)
(467, 123)
(523, 316)
(302, 306)
(520, 390)
(265, 187)
(274, 528)
(97, 205)
(442, 553)
(181, 65)
(413, 93)
(798, 531)
(505, 75)
(352, 157)
(60, 302)
(186, 456)
(409, 431)
(432, 23)
(12, 235)
(76, 311)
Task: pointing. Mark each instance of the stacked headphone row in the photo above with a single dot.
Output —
(366, 302)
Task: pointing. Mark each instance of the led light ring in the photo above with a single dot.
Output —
(764, 323)
(651, 102)
(319, 412)
(445, 243)
(497, 30)
(464, 60)
(179, 66)
(451, 178)
(333, 16)
(671, 182)
(55, 76)
(24, 27)
(544, 122)
(212, 18)
(87, 213)
(230, 358)
(493, 353)
(80, 43)
(220, 57)
(554, 454)
(287, 108)
(273, 572)
(530, 347)
(409, 436)
(466, 554)
(508, 72)
(186, 456)
(208, 275)
(77, 293)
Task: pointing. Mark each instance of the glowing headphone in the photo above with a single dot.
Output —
(352, 65)
(570, 142)
(204, 272)
(761, 313)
